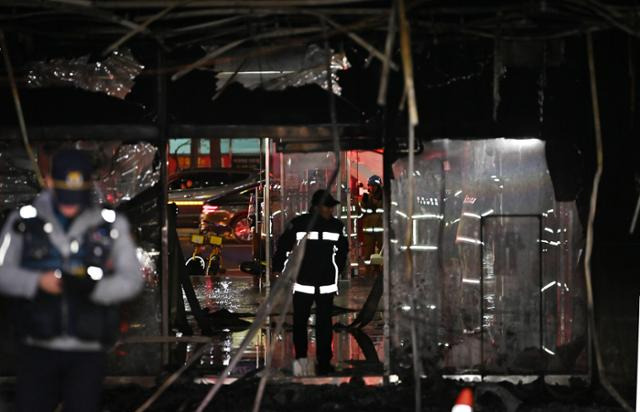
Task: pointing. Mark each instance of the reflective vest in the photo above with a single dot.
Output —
(372, 210)
(325, 253)
(47, 316)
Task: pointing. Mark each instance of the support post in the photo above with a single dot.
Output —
(161, 123)
(349, 216)
(282, 182)
(267, 209)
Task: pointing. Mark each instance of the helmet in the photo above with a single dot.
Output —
(375, 180)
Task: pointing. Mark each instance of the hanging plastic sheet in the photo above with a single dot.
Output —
(114, 76)
(279, 70)
(18, 182)
(131, 169)
(304, 173)
(497, 287)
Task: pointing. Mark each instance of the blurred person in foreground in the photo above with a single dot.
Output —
(66, 263)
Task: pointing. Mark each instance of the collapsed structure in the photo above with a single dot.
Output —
(490, 122)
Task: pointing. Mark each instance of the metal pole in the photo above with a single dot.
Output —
(540, 282)
(267, 209)
(161, 88)
(282, 180)
(407, 66)
(386, 281)
(349, 219)
(588, 250)
(339, 187)
(482, 243)
(259, 224)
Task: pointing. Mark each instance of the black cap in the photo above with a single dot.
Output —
(318, 196)
(71, 172)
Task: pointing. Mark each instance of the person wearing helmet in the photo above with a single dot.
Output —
(371, 206)
(66, 263)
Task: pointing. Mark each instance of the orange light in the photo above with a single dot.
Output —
(188, 202)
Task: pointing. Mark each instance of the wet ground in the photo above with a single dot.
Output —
(241, 294)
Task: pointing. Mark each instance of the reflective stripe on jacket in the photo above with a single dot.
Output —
(325, 254)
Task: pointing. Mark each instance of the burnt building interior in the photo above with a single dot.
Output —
(504, 133)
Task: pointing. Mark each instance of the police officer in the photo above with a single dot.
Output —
(325, 258)
(372, 206)
(66, 263)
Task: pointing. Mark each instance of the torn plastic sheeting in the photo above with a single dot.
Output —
(123, 171)
(18, 183)
(113, 76)
(132, 169)
(278, 71)
(499, 294)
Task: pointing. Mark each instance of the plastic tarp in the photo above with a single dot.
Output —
(496, 286)
(113, 76)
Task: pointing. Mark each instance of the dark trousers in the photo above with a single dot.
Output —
(302, 303)
(47, 377)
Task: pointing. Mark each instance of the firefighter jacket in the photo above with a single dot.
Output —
(325, 253)
(372, 208)
(97, 248)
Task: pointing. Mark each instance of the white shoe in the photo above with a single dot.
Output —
(303, 367)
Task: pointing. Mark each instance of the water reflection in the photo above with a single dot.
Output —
(360, 350)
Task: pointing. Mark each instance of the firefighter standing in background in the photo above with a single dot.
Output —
(371, 206)
(66, 263)
(325, 258)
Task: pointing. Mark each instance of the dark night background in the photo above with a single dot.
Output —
(454, 86)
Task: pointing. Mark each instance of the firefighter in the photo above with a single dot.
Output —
(66, 263)
(371, 206)
(324, 259)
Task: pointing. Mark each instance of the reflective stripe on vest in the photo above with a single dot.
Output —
(312, 235)
(332, 236)
(311, 290)
(335, 266)
(328, 289)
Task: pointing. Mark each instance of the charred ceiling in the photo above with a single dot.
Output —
(506, 68)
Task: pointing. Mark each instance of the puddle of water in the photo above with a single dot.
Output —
(240, 294)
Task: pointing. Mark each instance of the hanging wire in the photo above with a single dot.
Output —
(18, 105)
(592, 215)
(412, 122)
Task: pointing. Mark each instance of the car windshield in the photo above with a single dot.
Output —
(206, 179)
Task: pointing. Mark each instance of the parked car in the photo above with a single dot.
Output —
(226, 215)
(203, 184)
(190, 189)
(230, 212)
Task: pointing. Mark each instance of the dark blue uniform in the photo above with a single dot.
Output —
(325, 258)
